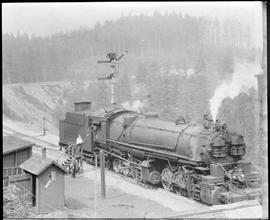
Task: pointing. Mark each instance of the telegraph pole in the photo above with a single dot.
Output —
(102, 175)
(95, 185)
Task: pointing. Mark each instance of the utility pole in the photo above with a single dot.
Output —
(113, 59)
(95, 185)
(102, 175)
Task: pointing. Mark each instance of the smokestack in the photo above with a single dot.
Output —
(43, 152)
(207, 121)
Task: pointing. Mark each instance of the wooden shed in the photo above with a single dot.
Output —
(48, 183)
(15, 152)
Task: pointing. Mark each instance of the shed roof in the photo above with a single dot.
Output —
(12, 143)
(36, 165)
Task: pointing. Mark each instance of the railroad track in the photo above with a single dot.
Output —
(34, 139)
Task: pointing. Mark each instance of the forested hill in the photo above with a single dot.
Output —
(178, 42)
(173, 66)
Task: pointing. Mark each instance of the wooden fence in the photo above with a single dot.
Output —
(12, 171)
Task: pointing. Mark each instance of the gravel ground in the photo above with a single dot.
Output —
(80, 196)
(164, 198)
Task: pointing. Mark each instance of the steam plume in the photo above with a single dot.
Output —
(136, 105)
(242, 80)
(139, 99)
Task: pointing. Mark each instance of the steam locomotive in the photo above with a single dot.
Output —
(202, 161)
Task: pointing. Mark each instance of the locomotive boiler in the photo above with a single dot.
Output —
(202, 161)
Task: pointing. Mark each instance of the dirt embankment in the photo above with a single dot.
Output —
(31, 102)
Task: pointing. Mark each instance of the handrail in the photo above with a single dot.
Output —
(225, 171)
(232, 189)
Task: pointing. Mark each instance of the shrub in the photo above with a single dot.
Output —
(13, 205)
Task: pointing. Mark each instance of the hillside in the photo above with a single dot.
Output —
(173, 67)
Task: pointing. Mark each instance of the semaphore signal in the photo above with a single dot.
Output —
(112, 60)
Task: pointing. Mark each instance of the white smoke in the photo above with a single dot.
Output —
(242, 80)
(136, 105)
(138, 100)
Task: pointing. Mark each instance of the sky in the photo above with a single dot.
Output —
(43, 19)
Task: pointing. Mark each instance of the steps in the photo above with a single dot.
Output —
(66, 163)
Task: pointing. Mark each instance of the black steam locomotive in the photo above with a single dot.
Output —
(202, 161)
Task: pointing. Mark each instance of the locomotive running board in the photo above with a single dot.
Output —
(160, 153)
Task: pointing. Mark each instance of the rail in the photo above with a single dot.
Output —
(219, 209)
